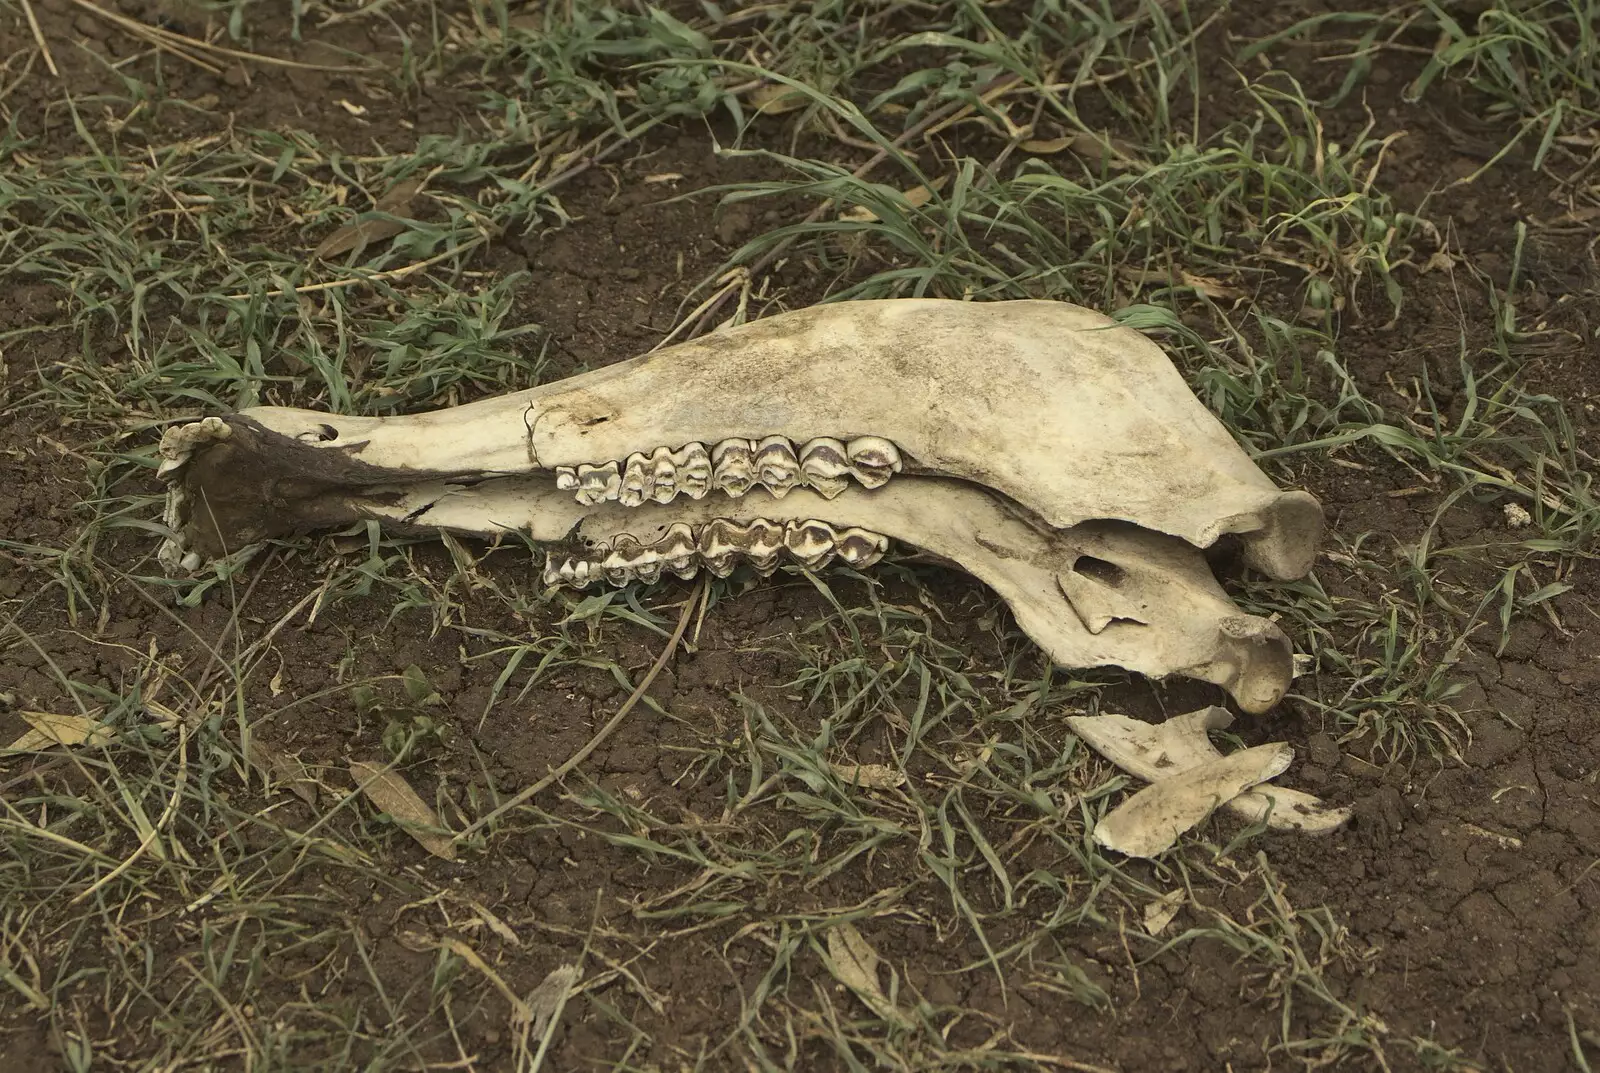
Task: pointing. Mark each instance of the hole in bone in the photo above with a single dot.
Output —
(1099, 570)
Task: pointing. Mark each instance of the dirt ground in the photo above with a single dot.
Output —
(1457, 918)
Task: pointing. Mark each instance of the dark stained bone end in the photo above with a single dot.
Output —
(257, 485)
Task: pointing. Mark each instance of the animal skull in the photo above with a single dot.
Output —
(1055, 455)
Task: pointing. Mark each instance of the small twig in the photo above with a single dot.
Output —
(604, 732)
(38, 38)
(949, 111)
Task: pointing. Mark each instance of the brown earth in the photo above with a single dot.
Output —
(1470, 890)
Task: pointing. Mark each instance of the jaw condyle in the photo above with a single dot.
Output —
(1048, 451)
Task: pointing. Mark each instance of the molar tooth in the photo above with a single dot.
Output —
(776, 466)
(860, 548)
(693, 467)
(619, 564)
(552, 571)
(731, 466)
(873, 460)
(825, 465)
(810, 542)
(663, 475)
(566, 478)
(677, 551)
(648, 570)
(763, 545)
(719, 544)
(596, 484)
(576, 572)
(637, 482)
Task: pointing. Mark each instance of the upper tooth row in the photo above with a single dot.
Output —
(718, 545)
(735, 466)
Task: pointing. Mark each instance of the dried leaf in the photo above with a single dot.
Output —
(871, 776)
(776, 98)
(1207, 286)
(372, 227)
(275, 765)
(391, 794)
(1159, 913)
(48, 728)
(855, 964)
(1096, 149)
(916, 197)
(1149, 822)
(550, 997)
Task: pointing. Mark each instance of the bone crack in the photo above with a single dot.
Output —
(718, 546)
(734, 466)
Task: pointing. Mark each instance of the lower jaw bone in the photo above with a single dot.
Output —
(1090, 595)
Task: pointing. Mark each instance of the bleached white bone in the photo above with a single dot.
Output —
(1054, 406)
(1156, 752)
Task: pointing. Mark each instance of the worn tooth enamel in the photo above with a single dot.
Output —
(825, 465)
(597, 484)
(578, 573)
(552, 571)
(567, 478)
(676, 550)
(873, 460)
(810, 542)
(763, 545)
(731, 466)
(637, 481)
(776, 465)
(693, 465)
(663, 475)
(648, 569)
(718, 543)
(860, 548)
(621, 561)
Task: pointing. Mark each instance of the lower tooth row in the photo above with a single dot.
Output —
(735, 466)
(719, 546)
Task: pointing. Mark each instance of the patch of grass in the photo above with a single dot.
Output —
(211, 869)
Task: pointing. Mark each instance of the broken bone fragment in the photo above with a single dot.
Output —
(1159, 752)
(1151, 821)
(1057, 408)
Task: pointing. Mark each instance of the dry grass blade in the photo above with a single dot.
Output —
(392, 795)
(572, 762)
(275, 765)
(49, 728)
(38, 38)
(520, 1010)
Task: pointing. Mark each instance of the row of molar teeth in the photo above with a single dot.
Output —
(735, 466)
(719, 546)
